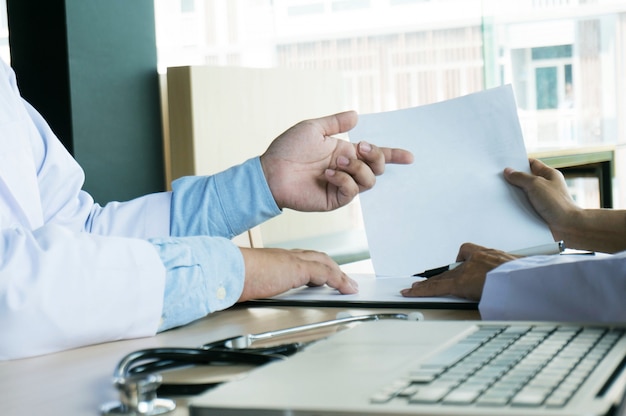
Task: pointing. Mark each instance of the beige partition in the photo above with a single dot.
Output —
(221, 116)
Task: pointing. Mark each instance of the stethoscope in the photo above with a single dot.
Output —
(136, 376)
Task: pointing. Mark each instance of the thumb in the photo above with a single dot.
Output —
(537, 167)
(338, 123)
(517, 178)
(539, 170)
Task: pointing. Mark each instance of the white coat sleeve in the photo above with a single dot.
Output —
(73, 273)
(63, 202)
(62, 286)
(60, 290)
(583, 288)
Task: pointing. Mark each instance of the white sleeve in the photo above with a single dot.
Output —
(143, 217)
(60, 289)
(63, 202)
(583, 288)
(62, 286)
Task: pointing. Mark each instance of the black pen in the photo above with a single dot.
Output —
(552, 248)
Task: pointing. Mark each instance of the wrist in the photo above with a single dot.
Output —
(268, 169)
(577, 230)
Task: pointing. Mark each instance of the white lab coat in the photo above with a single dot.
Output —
(71, 272)
(580, 288)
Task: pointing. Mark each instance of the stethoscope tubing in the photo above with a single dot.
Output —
(234, 350)
(153, 359)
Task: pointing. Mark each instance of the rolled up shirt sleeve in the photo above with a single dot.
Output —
(225, 204)
(205, 270)
(583, 288)
(203, 275)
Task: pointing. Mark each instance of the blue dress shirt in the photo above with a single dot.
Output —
(205, 270)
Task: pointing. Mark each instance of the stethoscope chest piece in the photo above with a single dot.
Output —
(138, 397)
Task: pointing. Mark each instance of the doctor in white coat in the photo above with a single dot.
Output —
(74, 273)
(559, 287)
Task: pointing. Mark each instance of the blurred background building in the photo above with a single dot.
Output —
(564, 58)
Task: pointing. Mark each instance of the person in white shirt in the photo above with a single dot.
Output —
(74, 273)
(562, 287)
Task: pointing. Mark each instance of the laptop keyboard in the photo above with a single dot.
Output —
(512, 365)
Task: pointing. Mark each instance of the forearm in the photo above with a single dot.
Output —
(602, 230)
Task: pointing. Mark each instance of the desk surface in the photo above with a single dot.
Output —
(575, 156)
(78, 382)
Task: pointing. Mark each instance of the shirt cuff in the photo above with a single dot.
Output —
(203, 275)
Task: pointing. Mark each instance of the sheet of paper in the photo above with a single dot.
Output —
(373, 290)
(417, 216)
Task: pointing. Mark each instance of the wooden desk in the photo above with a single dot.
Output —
(78, 382)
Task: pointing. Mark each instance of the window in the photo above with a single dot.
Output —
(187, 6)
(565, 58)
(553, 76)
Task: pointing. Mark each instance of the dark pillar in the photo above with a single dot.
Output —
(90, 67)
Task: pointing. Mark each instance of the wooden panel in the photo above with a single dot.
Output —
(222, 116)
(90, 68)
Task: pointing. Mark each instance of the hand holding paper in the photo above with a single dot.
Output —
(417, 216)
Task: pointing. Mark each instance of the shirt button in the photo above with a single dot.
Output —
(221, 293)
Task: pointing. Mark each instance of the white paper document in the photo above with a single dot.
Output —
(373, 292)
(417, 216)
(381, 291)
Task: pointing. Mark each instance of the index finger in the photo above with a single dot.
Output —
(322, 270)
(376, 157)
(339, 281)
(397, 156)
(430, 287)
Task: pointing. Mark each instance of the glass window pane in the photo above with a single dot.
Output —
(565, 59)
(187, 6)
(551, 52)
(546, 91)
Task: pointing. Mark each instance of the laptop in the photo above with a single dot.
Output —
(393, 367)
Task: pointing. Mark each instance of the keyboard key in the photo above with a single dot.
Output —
(450, 355)
(492, 400)
(380, 398)
(429, 395)
(423, 375)
(390, 391)
(529, 398)
(557, 400)
(499, 391)
(409, 390)
(461, 396)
